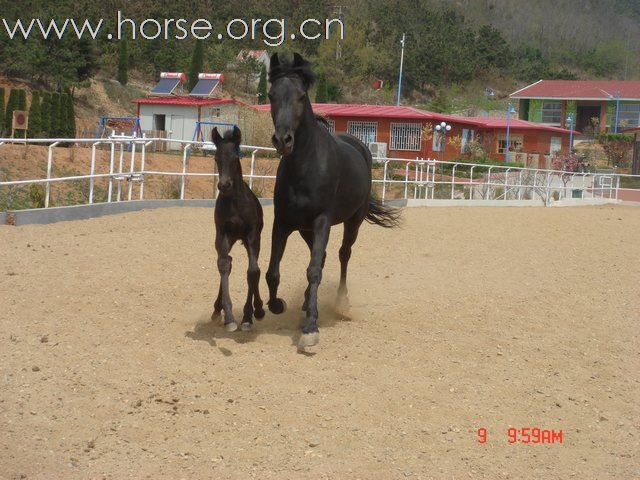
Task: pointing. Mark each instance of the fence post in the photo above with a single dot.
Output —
(47, 194)
(131, 169)
(120, 162)
(384, 180)
(453, 179)
(142, 161)
(92, 171)
(253, 161)
(487, 193)
(112, 158)
(184, 170)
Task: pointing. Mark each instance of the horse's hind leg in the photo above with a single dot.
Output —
(351, 228)
(253, 280)
(217, 305)
(307, 236)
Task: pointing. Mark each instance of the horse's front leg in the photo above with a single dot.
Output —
(279, 237)
(310, 333)
(252, 243)
(223, 246)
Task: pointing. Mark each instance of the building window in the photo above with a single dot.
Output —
(516, 142)
(628, 115)
(552, 112)
(406, 136)
(367, 132)
(467, 138)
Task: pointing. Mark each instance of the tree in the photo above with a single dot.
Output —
(61, 115)
(22, 99)
(45, 114)
(321, 88)
(12, 104)
(2, 107)
(35, 110)
(262, 86)
(492, 49)
(246, 69)
(70, 116)
(196, 65)
(123, 63)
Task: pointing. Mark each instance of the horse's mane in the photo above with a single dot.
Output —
(322, 121)
(286, 66)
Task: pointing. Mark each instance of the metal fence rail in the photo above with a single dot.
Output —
(393, 178)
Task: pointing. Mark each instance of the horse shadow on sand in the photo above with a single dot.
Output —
(287, 324)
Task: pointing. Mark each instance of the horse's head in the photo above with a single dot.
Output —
(290, 79)
(227, 158)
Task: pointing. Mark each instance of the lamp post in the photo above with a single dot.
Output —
(442, 129)
(400, 75)
(510, 111)
(571, 126)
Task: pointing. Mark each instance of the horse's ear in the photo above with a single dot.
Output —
(237, 135)
(215, 136)
(274, 62)
(298, 61)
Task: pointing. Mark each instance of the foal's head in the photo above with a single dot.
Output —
(227, 159)
(290, 80)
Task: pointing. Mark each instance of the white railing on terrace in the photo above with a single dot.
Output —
(393, 178)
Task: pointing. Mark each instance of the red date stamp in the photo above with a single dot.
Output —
(533, 435)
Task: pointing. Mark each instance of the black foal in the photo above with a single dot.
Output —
(238, 216)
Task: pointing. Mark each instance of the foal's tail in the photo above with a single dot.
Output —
(383, 215)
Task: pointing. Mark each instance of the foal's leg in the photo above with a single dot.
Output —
(307, 236)
(217, 305)
(321, 228)
(351, 228)
(278, 243)
(252, 245)
(223, 246)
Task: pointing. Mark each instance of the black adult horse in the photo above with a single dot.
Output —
(322, 180)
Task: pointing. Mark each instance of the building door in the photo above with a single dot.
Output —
(176, 131)
(556, 145)
(159, 122)
(585, 115)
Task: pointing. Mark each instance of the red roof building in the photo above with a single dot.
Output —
(407, 132)
(591, 105)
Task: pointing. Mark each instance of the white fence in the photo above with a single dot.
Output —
(393, 178)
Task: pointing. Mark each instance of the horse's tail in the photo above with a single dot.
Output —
(383, 215)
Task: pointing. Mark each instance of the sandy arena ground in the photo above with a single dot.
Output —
(465, 318)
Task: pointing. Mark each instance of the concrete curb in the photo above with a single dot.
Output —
(83, 212)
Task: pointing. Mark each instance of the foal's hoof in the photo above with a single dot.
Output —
(259, 313)
(277, 306)
(246, 326)
(308, 340)
(231, 326)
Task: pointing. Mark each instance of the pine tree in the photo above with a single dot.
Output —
(45, 115)
(34, 116)
(123, 63)
(197, 63)
(22, 99)
(70, 116)
(262, 86)
(53, 114)
(12, 104)
(61, 116)
(2, 106)
(321, 89)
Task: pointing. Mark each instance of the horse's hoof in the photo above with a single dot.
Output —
(259, 313)
(278, 306)
(246, 326)
(308, 340)
(215, 314)
(231, 326)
